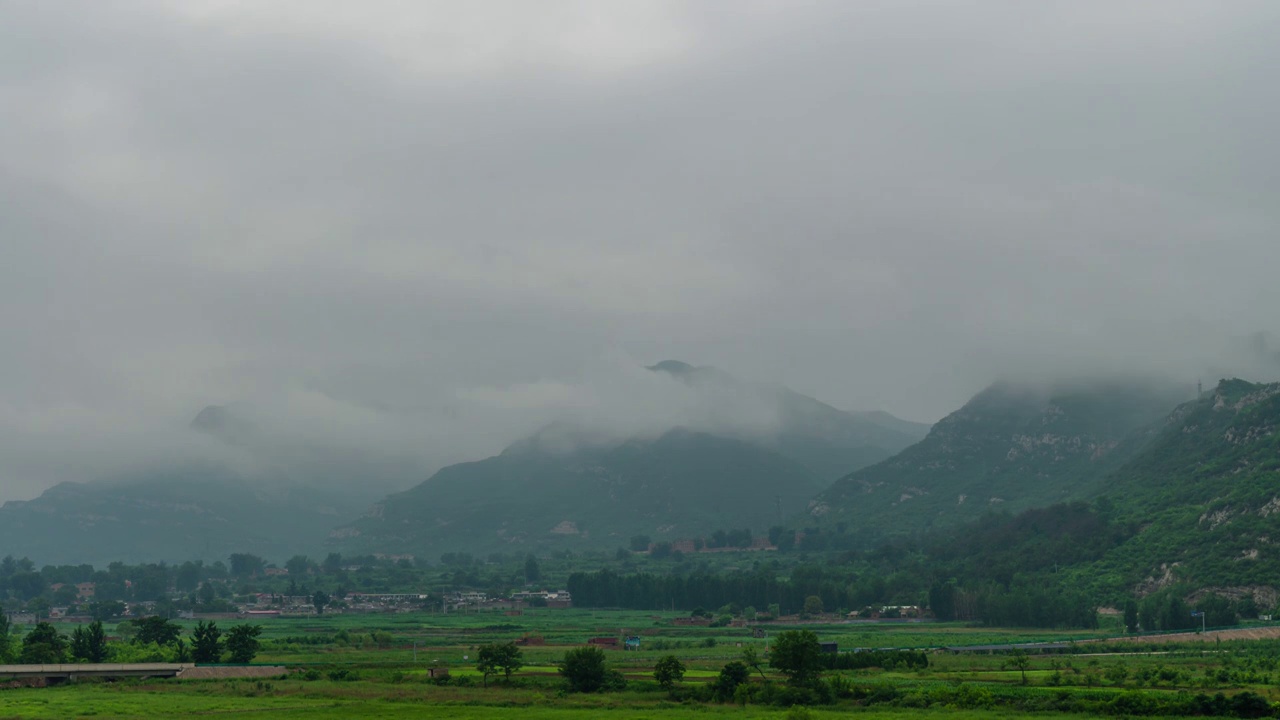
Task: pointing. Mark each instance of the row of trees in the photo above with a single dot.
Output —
(44, 644)
(718, 539)
(644, 591)
(797, 654)
(811, 591)
(1024, 605)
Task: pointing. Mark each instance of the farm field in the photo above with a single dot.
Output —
(378, 666)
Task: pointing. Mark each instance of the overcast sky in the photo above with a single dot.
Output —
(407, 218)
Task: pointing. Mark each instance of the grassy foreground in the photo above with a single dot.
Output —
(287, 699)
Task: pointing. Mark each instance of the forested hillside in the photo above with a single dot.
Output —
(1010, 448)
(1205, 497)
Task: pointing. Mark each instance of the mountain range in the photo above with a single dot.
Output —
(563, 486)
(1115, 485)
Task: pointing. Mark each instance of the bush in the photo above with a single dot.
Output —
(584, 669)
(732, 675)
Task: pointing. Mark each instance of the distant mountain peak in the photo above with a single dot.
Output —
(673, 367)
(221, 422)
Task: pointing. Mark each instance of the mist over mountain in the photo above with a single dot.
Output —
(250, 493)
(182, 513)
(260, 480)
(751, 455)
(828, 441)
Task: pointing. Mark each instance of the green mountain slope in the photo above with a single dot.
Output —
(1196, 510)
(1009, 448)
(530, 498)
(1204, 497)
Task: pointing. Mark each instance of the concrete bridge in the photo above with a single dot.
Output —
(73, 671)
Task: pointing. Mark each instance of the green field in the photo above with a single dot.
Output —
(363, 666)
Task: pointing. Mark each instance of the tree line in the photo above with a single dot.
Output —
(147, 639)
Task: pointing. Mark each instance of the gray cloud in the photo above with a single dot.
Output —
(426, 227)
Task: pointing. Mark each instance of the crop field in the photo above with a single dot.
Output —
(377, 666)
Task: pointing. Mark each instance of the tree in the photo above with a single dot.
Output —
(668, 671)
(531, 571)
(320, 600)
(584, 669)
(493, 658)
(106, 609)
(26, 585)
(1019, 661)
(639, 543)
(813, 605)
(181, 651)
(942, 600)
(332, 563)
(751, 659)
(1131, 615)
(89, 644)
(242, 642)
(39, 606)
(246, 565)
(65, 596)
(797, 654)
(43, 646)
(206, 643)
(733, 674)
(156, 629)
(6, 633)
(187, 576)
(207, 593)
(297, 565)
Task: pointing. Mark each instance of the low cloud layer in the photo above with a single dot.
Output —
(424, 227)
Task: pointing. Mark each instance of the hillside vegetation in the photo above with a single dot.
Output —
(1010, 448)
(1204, 496)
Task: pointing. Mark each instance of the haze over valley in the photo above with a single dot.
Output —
(887, 352)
